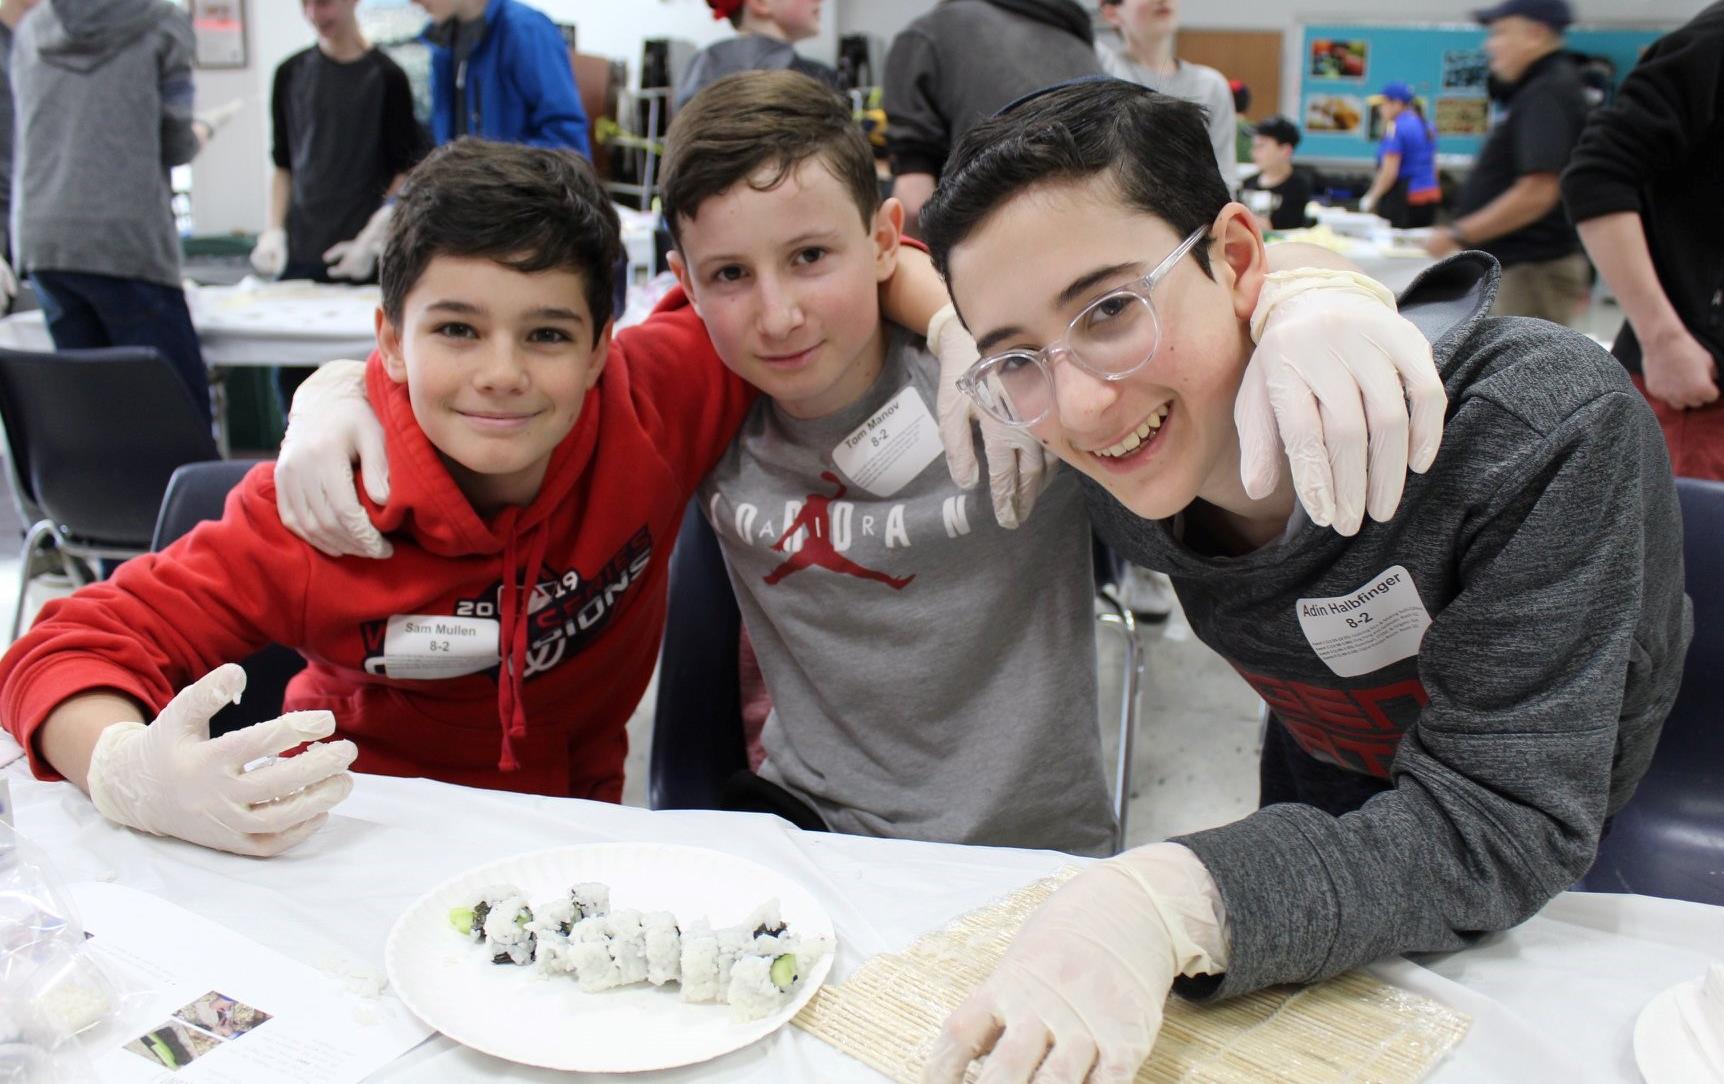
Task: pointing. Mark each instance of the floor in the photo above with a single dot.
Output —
(1198, 737)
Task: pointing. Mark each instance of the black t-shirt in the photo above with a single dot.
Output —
(1287, 208)
(344, 131)
(1546, 111)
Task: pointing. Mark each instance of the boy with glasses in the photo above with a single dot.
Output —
(1461, 696)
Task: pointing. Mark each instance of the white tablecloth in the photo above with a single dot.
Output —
(1554, 999)
(286, 323)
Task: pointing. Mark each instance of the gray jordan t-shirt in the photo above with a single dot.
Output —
(932, 673)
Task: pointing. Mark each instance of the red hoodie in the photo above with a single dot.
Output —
(405, 651)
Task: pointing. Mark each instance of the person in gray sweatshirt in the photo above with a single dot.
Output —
(1461, 696)
(103, 97)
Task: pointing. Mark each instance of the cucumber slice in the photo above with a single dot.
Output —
(462, 919)
(783, 971)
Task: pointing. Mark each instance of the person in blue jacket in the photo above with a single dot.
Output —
(500, 70)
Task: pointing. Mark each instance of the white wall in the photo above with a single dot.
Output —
(230, 179)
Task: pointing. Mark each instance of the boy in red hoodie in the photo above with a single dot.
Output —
(531, 513)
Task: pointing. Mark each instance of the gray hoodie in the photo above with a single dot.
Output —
(103, 93)
(1502, 653)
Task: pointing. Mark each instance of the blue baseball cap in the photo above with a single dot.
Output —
(1397, 91)
(1555, 14)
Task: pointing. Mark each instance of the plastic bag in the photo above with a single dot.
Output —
(56, 1000)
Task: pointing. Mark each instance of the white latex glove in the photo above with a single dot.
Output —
(1078, 996)
(216, 118)
(1340, 382)
(1368, 203)
(1019, 468)
(269, 255)
(331, 422)
(172, 779)
(8, 283)
(357, 259)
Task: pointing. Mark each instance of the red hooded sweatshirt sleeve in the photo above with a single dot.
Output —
(504, 653)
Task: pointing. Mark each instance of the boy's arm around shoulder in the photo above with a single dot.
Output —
(163, 620)
(687, 403)
(1546, 678)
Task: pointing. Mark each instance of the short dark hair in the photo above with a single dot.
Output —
(1154, 147)
(527, 208)
(1280, 129)
(758, 120)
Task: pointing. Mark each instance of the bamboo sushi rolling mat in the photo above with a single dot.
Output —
(1351, 1028)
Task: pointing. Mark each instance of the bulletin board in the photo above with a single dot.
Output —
(1341, 65)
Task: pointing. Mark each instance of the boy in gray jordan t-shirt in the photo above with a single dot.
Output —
(992, 738)
(932, 673)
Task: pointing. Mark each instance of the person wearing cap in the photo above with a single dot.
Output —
(766, 34)
(1289, 187)
(1643, 190)
(1404, 190)
(1511, 204)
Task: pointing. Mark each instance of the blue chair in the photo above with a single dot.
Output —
(197, 492)
(1669, 839)
(697, 741)
(92, 437)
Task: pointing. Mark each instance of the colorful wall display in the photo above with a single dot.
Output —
(1346, 63)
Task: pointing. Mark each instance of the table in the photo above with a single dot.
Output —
(1554, 999)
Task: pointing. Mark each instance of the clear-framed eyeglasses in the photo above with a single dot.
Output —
(1114, 336)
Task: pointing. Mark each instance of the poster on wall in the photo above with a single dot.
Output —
(1462, 116)
(1334, 114)
(219, 29)
(1332, 58)
(1465, 70)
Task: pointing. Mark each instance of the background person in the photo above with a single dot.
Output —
(1404, 191)
(1289, 187)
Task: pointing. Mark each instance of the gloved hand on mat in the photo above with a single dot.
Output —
(269, 255)
(356, 260)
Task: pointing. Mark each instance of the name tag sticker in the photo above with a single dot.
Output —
(427, 647)
(885, 452)
(1381, 623)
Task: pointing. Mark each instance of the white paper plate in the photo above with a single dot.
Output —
(1662, 1048)
(516, 1013)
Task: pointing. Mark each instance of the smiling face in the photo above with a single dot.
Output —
(787, 282)
(1162, 436)
(497, 363)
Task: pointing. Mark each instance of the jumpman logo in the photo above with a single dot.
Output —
(818, 551)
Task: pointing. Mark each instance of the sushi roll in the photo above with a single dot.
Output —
(590, 898)
(698, 962)
(734, 942)
(589, 955)
(628, 947)
(766, 980)
(508, 930)
(663, 942)
(500, 919)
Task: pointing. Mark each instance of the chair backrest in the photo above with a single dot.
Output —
(196, 492)
(1693, 735)
(95, 435)
(697, 740)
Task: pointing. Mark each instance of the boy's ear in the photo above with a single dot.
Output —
(679, 268)
(888, 231)
(601, 354)
(1243, 263)
(389, 346)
